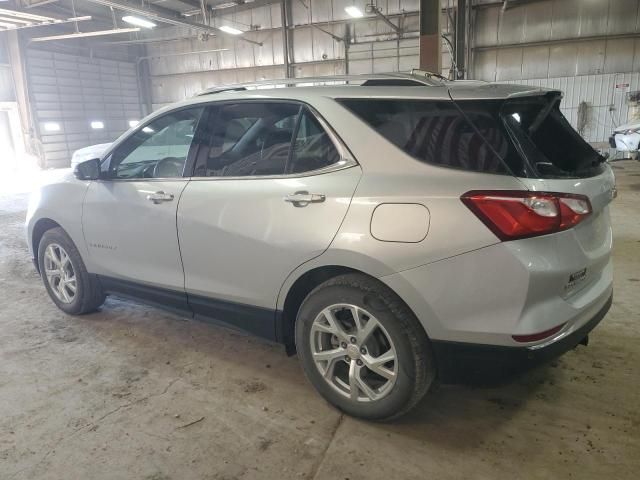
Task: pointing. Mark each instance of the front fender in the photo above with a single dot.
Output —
(61, 202)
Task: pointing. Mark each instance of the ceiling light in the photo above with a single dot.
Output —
(354, 11)
(97, 125)
(148, 130)
(52, 127)
(231, 30)
(133, 123)
(139, 22)
(224, 5)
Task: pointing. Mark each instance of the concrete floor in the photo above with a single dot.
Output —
(112, 395)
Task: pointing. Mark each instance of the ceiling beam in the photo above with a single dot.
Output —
(53, 21)
(6, 12)
(16, 20)
(189, 3)
(154, 14)
(39, 3)
(384, 18)
(84, 34)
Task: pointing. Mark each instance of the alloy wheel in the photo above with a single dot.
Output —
(60, 274)
(354, 353)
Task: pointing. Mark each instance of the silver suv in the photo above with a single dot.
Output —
(393, 230)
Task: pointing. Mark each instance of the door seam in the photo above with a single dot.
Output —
(184, 275)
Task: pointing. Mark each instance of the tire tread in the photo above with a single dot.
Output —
(92, 295)
(424, 366)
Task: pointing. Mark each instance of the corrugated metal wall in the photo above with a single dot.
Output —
(582, 47)
(384, 56)
(7, 93)
(73, 91)
(530, 39)
(375, 47)
(574, 45)
(555, 38)
(607, 105)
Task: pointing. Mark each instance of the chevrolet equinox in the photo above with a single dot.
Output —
(390, 229)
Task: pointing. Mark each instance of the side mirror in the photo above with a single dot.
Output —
(88, 170)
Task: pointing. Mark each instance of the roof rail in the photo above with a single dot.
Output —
(419, 78)
(416, 72)
(220, 89)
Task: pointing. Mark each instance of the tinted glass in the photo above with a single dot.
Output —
(438, 133)
(313, 148)
(528, 137)
(249, 139)
(158, 150)
(549, 143)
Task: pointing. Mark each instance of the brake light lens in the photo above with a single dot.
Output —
(513, 215)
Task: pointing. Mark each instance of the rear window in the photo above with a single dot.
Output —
(528, 138)
(547, 141)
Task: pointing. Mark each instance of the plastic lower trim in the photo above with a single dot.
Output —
(476, 363)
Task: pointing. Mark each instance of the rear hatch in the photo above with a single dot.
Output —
(548, 155)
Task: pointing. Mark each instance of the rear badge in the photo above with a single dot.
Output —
(576, 278)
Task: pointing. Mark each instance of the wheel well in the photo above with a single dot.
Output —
(296, 295)
(40, 227)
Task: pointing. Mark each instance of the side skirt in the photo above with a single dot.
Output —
(171, 300)
(248, 318)
(258, 321)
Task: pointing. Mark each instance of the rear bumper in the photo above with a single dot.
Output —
(463, 362)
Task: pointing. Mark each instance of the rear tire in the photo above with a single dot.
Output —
(70, 286)
(363, 349)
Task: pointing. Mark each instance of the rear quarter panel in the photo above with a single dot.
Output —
(392, 176)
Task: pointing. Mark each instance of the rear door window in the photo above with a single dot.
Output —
(249, 139)
(312, 148)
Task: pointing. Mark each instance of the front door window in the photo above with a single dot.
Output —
(159, 149)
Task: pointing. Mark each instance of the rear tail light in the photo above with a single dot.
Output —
(521, 214)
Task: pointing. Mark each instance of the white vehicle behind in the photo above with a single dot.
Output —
(626, 138)
(88, 153)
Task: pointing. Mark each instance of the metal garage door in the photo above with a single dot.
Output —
(69, 92)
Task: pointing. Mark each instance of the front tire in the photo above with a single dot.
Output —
(70, 286)
(363, 349)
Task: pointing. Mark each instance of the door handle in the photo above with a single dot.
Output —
(159, 197)
(304, 198)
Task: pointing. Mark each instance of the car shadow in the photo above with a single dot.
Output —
(460, 417)
(457, 416)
